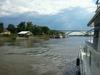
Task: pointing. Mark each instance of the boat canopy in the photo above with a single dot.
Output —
(96, 15)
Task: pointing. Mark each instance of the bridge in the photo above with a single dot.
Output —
(75, 32)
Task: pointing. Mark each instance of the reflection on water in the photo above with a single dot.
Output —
(51, 57)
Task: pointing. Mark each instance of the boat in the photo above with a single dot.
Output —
(57, 36)
(89, 57)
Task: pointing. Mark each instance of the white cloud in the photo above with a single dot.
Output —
(42, 7)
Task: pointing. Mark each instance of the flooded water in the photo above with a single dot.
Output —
(51, 57)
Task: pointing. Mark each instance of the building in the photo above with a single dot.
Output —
(6, 33)
(25, 34)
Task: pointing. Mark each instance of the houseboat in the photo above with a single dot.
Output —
(90, 55)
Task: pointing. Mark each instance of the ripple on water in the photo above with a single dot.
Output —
(27, 51)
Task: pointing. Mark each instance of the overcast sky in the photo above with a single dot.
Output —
(57, 14)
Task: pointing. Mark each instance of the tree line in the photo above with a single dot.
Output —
(29, 26)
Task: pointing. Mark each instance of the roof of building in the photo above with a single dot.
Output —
(23, 32)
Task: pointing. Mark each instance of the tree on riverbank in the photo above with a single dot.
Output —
(21, 26)
(11, 28)
(35, 29)
(1, 27)
(45, 30)
(29, 26)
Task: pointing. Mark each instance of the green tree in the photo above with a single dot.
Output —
(21, 27)
(1, 27)
(29, 26)
(11, 28)
(36, 30)
(45, 30)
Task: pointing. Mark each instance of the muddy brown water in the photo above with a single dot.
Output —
(51, 57)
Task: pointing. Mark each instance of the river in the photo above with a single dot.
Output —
(51, 57)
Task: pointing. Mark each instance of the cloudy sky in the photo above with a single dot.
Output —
(57, 14)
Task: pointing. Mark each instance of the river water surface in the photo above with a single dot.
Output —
(51, 57)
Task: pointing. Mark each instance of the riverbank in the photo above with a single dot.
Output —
(22, 41)
(35, 38)
(7, 38)
(15, 37)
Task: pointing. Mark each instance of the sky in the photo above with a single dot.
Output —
(56, 14)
